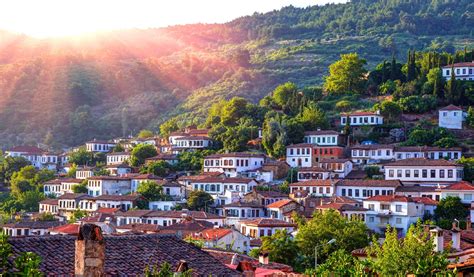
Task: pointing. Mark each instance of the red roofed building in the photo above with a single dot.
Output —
(315, 187)
(264, 227)
(398, 211)
(450, 117)
(348, 211)
(462, 189)
(462, 71)
(228, 239)
(283, 209)
(362, 118)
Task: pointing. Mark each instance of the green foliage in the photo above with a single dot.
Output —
(449, 209)
(145, 134)
(470, 117)
(418, 104)
(81, 188)
(339, 263)
(82, 157)
(468, 164)
(169, 126)
(425, 134)
(164, 270)
(5, 252)
(281, 248)
(390, 110)
(10, 165)
(292, 176)
(388, 87)
(447, 142)
(192, 160)
(195, 241)
(77, 215)
(412, 255)
(282, 94)
(28, 264)
(312, 117)
(159, 168)
(46, 217)
(346, 75)
(118, 148)
(349, 235)
(343, 105)
(199, 200)
(152, 191)
(140, 153)
(372, 171)
(72, 171)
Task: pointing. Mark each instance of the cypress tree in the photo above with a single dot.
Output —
(393, 69)
(384, 71)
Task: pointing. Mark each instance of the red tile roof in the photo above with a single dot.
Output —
(68, 229)
(359, 114)
(463, 64)
(268, 222)
(299, 145)
(452, 107)
(390, 198)
(421, 162)
(49, 202)
(425, 200)
(213, 233)
(368, 183)
(463, 185)
(313, 183)
(340, 207)
(321, 133)
(237, 155)
(27, 149)
(312, 169)
(279, 204)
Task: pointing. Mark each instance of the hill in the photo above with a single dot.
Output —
(66, 91)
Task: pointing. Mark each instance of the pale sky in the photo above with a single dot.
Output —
(45, 18)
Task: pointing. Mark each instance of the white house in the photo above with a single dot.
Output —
(322, 137)
(216, 186)
(84, 172)
(237, 211)
(165, 218)
(463, 189)
(362, 118)
(48, 206)
(363, 189)
(450, 117)
(424, 171)
(299, 155)
(462, 71)
(69, 202)
(231, 164)
(312, 173)
(162, 205)
(52, 187)
(117, 158)
(99, 185)
(371, 154)
(322, 188)
(123, 202)
(29, 228)
(229, 239)
(394, 210)
(429, 152)
(261, 227)
(338, 168)
(283, 209)
(187, 143)
(39, 158)
(137, 179)
(100, 146)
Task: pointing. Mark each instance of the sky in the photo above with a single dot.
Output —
(53, 18)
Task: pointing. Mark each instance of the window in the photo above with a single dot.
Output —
(343, 120)
(416, 173)
(447, 72)
(441, 173)
(390, 173)
(343, 192)
(398, 208)
(384, 206)
(467, 196)
(445, 114)
(371, 207)
(433, 173)
(424, 173)
(450, 173)
(399, 173)
(407, 173)
(262, 232)
(371, 219)
(398, 220)
(356, 193)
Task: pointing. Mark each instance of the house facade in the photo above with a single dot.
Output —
(450, 117)
(463, 71)
(232, 164)
(362, 119)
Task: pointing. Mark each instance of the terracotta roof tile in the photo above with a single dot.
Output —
(280, 203)
(421, 162)
(368, 183)
(390, 198)
(268, 222)
(313, 183)
(463, 185)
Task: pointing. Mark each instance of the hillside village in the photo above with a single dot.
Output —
(230, 186)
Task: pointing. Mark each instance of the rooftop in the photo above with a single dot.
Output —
(421, 162)
(280, 203)
(313, 183)
(268, 222)
(463, 185)
(121, 255)
(321, 133)
(368, 183)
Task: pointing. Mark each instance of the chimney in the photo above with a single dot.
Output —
(90, 252)
(456, 236)
(468, 223)
(247, 269)
(438, 239)
(263, 258)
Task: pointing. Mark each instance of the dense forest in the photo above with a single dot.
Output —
(62, 92)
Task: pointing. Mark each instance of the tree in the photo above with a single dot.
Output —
(339, 263)
(313, 117)
(468, 164)
(76, 215)
(390, 110)
(435, 81)
(412, 255)
(274, 137)
(20, 186)
(453, 89)
(447, 142)
(198, 200)
(145, 134)
(470, 117)
(349, 235)
(81, 157)
(169, 126)
(346, 75)
(72, 171)
(449, 209)
(372, 171)
(283, 93)
(11, 165)
(233, 110)
(151, 191)
(80, 188)
(281, 248)
(28, 263)
(140, 153)
(192, 160)
(118, 148)
(28, 201)
(159, 168)
(5, 252)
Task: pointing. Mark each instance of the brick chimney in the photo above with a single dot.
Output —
(456, 236)
(90, 252)
(438, 239)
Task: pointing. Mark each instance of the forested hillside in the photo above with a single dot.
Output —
(64, 91)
